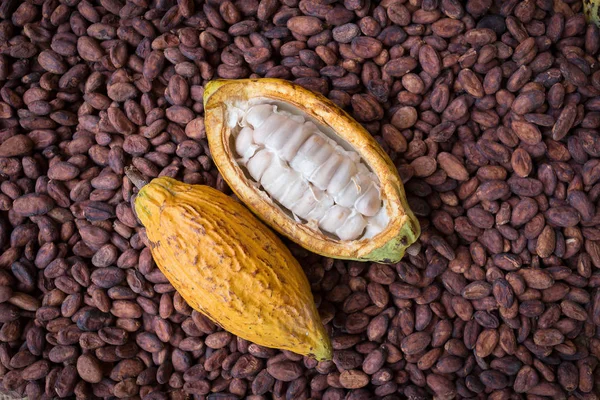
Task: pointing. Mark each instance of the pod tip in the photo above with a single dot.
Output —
(135, 176)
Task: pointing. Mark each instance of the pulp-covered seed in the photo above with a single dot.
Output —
(276, 178)
(341, 177)
(297, 139)
(244, 144)
(349, 194)
(352, 228)
(278, 139)
(274, 122)
(258, 164)
(324, 203)
(312, 154)
(307, 202)
(368, 204)
(294, 193)
(258, 114)
(334, 218)
(323, 175)
(376, 224)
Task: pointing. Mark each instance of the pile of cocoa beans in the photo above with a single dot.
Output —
(490, 109)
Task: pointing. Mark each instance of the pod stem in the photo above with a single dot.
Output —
(136, 177)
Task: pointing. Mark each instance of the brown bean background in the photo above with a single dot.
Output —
(490, 109)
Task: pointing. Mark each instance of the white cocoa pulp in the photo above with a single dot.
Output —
(311, 175)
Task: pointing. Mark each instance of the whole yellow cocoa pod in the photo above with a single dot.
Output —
(229, 266)
(308, 169)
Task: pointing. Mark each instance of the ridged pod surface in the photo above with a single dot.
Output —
(223, 100)
(229, 266)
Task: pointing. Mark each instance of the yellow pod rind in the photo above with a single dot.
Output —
(386, 247)
(229, 266)
(591, 10)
